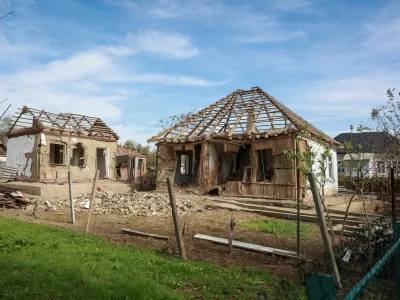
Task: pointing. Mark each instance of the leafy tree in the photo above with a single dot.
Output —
(314, 161)
(131, 144)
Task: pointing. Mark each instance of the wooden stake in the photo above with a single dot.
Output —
(231, 226)
(393, 194)
(92, 200)
(179, 239)
(71, 202)
(322, 226)
(298, 211)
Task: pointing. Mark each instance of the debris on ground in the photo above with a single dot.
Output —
(138, 204)
(49, 206)
(14, 199)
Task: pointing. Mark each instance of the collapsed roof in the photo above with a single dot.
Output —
(34, 120)
(243, 114)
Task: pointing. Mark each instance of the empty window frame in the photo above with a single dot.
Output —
(57, 154)
(341, 169)
(185, 164)
(380, 167)
(265, 165)
(78, 156)
(330, 167)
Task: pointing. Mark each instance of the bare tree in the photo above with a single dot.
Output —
(170, 121)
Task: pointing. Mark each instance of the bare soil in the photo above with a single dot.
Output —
(210, 222)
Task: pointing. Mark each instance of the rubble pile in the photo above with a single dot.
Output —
(15, 200)
(140, 204)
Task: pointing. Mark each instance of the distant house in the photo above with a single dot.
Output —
(374, 157)
(131, 165)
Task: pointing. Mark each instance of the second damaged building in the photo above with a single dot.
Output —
(44, 147)
(237, 145)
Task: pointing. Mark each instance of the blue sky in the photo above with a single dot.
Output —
(134, 62)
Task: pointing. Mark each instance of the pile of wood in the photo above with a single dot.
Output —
(14, 200)
(8, 174)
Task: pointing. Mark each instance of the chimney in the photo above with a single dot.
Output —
(35, 123)
(251, 121)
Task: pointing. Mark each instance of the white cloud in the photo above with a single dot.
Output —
(80, 65)
(352, 97)
(171, 45)
(383, 29)
(293, 5)
(271, 36)
(129, 131)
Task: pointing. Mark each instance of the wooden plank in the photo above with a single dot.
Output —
(140, 233)
(179, 239)
(247, 246)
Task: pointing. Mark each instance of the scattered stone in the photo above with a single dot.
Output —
(49, 206)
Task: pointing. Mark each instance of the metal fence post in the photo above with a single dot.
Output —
(321, 286)
(396, 229)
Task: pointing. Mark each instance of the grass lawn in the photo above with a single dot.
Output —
(279, 227)
(42, 262)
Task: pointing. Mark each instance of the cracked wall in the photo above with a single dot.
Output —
(21, 153)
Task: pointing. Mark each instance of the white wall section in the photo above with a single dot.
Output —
(17, 148)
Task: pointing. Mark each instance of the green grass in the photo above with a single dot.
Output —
(279, 227)
(42, 262)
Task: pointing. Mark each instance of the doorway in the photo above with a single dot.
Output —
(102, 162)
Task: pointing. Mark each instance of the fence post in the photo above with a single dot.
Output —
(175, 216)
(393, 194)
(396, 230)
(71, 202)
(321, 286)
(323, 229)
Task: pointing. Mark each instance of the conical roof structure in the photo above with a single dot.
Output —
(242, 115)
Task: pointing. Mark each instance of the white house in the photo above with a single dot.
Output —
(373, 157)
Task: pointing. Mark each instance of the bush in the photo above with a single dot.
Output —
(371, 185)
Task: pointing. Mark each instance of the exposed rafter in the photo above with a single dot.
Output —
(64, 123)
(243, 114)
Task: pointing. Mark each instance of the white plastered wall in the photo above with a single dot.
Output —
(331, 186)
(17, 148)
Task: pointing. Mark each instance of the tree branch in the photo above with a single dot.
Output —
(5, 111)
(7, 14)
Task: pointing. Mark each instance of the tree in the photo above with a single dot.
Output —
(315, 161)
(5, 124)
(170, 121)
(387, 119)
(131, 144)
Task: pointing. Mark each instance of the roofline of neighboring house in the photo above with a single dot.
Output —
(133, 152)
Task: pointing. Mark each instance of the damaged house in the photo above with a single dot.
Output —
(237, 145)
(131, 166)
(44, 146)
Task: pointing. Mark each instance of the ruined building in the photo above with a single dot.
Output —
(44, 146)
(237, 145)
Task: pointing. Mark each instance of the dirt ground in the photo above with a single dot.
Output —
(210, 222)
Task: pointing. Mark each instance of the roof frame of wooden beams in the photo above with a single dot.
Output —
(229, 117)
(64, 123)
